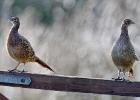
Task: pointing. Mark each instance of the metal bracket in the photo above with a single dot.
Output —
(14, 79)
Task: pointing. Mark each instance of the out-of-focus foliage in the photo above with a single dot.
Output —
(43, 8)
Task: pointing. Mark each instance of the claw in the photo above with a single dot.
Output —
(118, 79)
(13, 70)
(21, 71)
(121, 79)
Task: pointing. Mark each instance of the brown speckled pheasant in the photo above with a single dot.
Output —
(123, 53)
(19, 47)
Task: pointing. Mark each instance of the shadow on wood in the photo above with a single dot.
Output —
(72, 84)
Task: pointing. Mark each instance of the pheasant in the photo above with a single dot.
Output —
(123, 53)
(19, 47)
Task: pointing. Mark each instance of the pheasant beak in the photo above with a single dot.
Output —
(132, 22)
(11, 19)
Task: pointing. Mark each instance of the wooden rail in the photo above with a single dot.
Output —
(75, 84)
(2, 97)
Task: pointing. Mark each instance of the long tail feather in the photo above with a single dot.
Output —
(43, 64)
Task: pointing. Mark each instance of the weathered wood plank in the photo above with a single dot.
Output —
(2, 97)
(76, 84)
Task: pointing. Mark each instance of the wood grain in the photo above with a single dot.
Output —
(76, 84)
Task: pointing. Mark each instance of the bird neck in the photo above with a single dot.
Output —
(124, 31)
(15, 28)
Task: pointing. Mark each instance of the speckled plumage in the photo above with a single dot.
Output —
(123, 53)
(20, 48)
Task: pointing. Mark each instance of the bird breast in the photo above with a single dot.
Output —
(123, 53)
(20, 49)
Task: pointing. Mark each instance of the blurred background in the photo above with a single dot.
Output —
(74, 37)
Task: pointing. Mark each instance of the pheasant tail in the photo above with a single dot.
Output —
(131, 72)
(43, 64)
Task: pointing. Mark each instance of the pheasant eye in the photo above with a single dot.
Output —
(15, 20)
